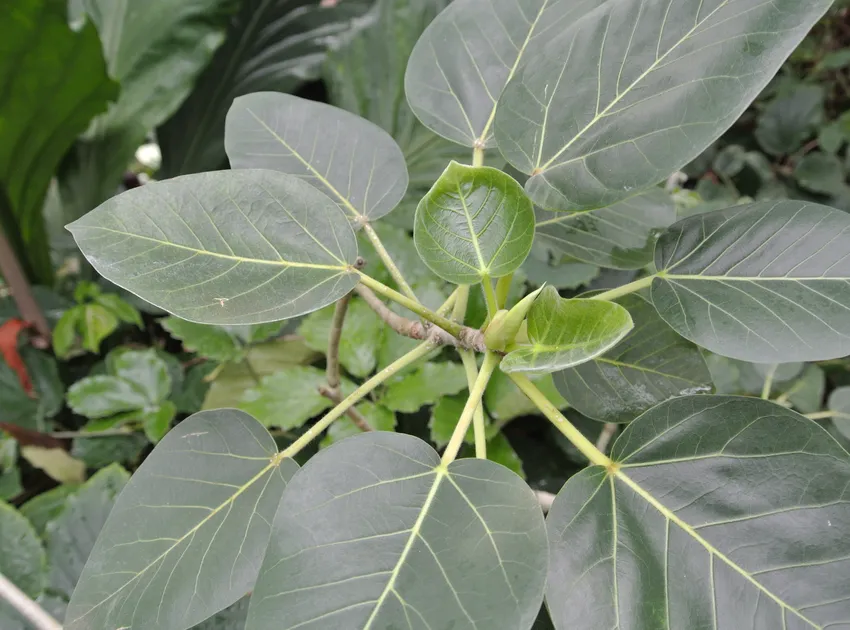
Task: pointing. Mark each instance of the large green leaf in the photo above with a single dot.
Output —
(353, 161)
(476, 222)
(22, 561)
(155, 51)
(621, 236)
(563, 333)
(636, 89)
(53, 81)
(375, 533)
(768, 282)
(721, 512)
(186, 536)
(270, 45)
(470, 51)
(650, 365)
(229, 247)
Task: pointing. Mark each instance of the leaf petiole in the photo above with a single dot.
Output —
(491, 360)
(503, 286)
(631, 287)
(385, 257)
(490, 297)
(585, 446)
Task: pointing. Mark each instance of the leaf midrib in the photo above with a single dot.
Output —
(665, 276)
(205, 252)
(672, 517)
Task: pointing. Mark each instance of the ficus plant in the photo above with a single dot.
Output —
(708, 511)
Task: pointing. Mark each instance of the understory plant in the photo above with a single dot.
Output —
(709, 511)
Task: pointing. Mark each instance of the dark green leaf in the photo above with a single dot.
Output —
(672, 537)
(10, 475)
(212, 342)
(157, 421)
(47, 383)
(444, 417)
(806, 393)
(730, 161)
(190, 397)
(766, 282)
(71, 533)
(121, 309)
(270, 45)
(224, 262)
(353, 161)
(16, 406)
(499, 450)
(22, 558)
(650, 365)
(564, 333)
(839, 402)
(362, 333)
(98, 452)
(45, 507)
(504, 401)
(392, 521)
(231, 618)
(788, 121)
(53, 82)
(424, 386)
(469, 52)
(621, 236)
(104, 396)
(378, 417)
(634, 90)
(212, 481)
(475, 222)
(821, 173)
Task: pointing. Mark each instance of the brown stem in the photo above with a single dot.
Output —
(333, 342)
(357, 418)
(30, 311)
(468, 338)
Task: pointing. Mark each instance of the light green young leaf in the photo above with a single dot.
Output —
(103, 396)
(351, 160)
(378, 417)
(145, 370)
(634, 90)
(71, 533)
(475, 222)
(122, 310)
(362, 333)
(766, 282)
(212, 342)
(355, 560)
(95, 324)
(463, 60)
(621, 236)
(650, 365)
(54, 81)
(65, 332)
(211, 481)
(270, 45)
(564, 333)
(707, 550)
(424, 386)
(230, 247)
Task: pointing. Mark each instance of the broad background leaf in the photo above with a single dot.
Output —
(675, 539)
(22, 560)
(373, 533)
(270, 45)
(166, 556)
(475, 222)
(634, 90)
(53, 82)
(650, 365)
(228, 247)
(766, 282)
(563, 333)
(621, 236)
(353, 161)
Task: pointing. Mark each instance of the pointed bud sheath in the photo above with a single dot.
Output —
(507, 324)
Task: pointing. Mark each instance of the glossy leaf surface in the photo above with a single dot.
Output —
(463, 60)
(704, 525)
(475, 222)
(187, 534)
(634, 90)
(351, 160)
(650, 365)
(229, 247)
(621, 236)
(768, 282)
(563, 333)
(375, 534)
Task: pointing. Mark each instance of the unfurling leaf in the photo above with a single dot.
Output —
(351, 160)
(563, 333)
(375, 532)
(229, 247)
(476, 222)
(633, 90)
(187, 535)
(767, 282)
(720, 512)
